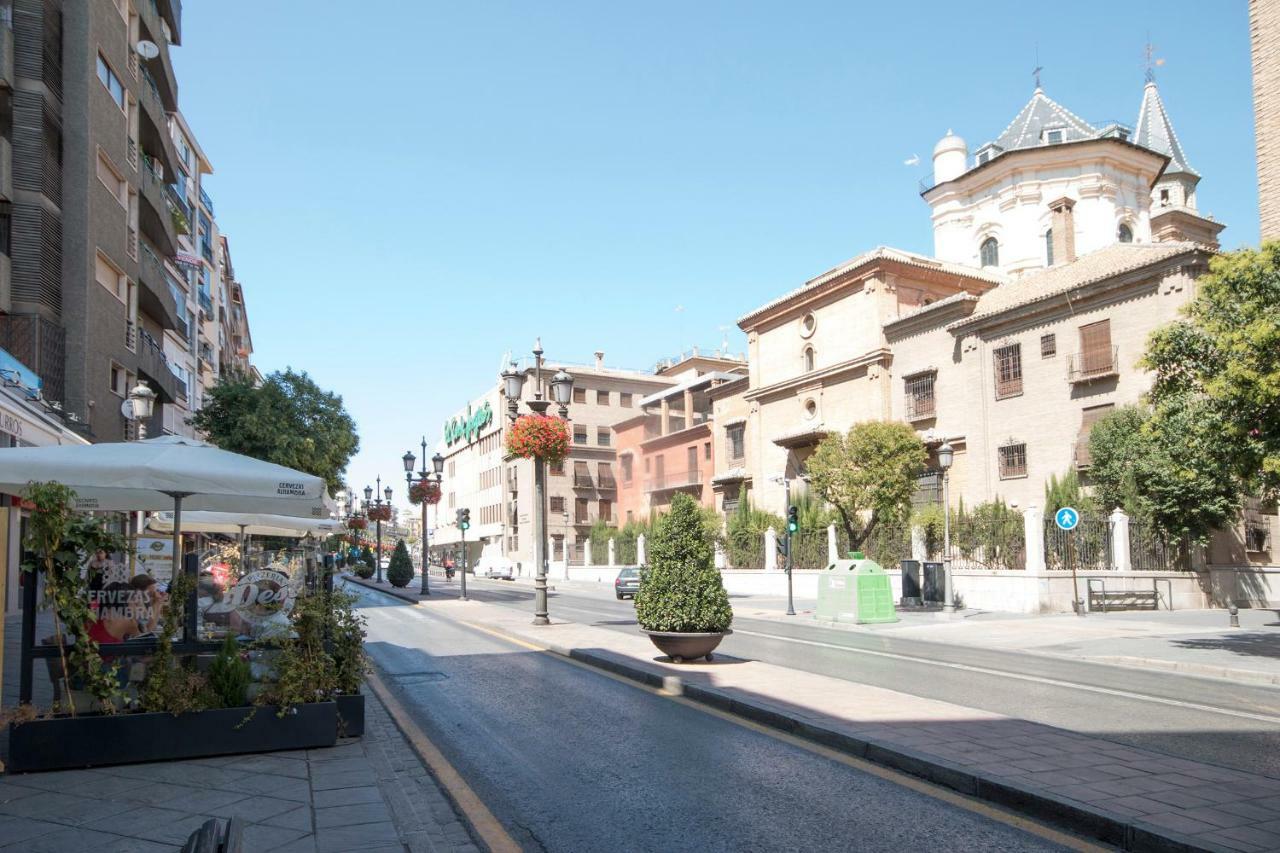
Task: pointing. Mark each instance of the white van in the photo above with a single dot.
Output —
(494, 564)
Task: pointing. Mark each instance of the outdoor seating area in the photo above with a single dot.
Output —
(149, 633)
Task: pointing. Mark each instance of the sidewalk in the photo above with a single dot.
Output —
(1134, 798)
(370, 794)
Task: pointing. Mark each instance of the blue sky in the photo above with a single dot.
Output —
(413, 188)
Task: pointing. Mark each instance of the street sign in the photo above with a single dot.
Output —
(1066, 518)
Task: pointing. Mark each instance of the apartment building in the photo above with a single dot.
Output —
(499, 491)
(1059, 247)
(669, 447)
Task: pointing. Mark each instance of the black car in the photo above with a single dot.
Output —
(627, 584)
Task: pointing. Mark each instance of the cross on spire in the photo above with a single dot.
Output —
(1151, 63)
(1035, 72)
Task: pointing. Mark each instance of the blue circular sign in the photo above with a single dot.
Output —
(1067, 518)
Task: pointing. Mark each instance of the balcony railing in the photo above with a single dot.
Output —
(130, 335)
(206, 201)
(582, 480)
(674, 480)
(1093, 364)
(206, 301)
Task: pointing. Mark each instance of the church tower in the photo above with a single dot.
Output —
(1174, 215)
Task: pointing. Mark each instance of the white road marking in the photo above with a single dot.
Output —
(1053, 682)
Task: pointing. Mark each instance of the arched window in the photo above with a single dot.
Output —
(1048, 248)
(989, 252)
(808, 359)
(1124, 233)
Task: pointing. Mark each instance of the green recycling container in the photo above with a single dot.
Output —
(855, 590)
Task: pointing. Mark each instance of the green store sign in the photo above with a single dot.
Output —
(467, 427)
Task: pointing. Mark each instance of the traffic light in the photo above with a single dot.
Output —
(793, 519)
(464, 519)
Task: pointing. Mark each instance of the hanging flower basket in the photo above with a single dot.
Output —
(539, 437)
(357, 524)
(428, 493)
(379, 513)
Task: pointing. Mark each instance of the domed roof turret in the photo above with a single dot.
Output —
(950, 142)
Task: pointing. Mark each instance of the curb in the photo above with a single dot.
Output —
(411, 597)
(1206, 670)
(1042, 805)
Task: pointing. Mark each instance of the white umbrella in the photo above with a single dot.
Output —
(166, 473)
(253, 524)
(149, 475)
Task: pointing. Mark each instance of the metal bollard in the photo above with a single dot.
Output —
(1235, 616)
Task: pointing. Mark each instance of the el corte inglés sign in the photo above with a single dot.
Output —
(467, 427)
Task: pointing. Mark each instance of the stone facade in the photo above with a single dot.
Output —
(1264, 31)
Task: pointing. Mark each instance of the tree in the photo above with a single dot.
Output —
(400, 569)
(1065, 491)
(288, 419)
(1218, 371)
(364, 567)
(868, 475)
(1165, 468)
(681, 590)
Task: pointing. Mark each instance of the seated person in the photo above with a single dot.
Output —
(148, 603)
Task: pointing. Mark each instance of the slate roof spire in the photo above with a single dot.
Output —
(1154, 130)
(1041, 112)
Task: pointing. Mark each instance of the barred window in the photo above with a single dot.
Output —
(1008, 364)
(736, 436)
(920, 401)
(1013, 461)
(1048, 345)
(557, 503)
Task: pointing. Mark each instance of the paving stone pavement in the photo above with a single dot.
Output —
(370, 794)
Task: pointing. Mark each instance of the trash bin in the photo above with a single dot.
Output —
(912, 593)
(855, 590)
(933, 583)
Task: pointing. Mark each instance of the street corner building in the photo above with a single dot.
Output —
(1059, 246)
(113, 272)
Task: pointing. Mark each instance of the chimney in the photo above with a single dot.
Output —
(599, 359)
(1064, 231)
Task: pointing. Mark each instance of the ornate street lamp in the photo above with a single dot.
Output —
(946, 455)
(562, 390)
(142, 401)
(424, 480)
(378, 504)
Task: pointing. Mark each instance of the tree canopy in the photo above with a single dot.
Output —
(681, 589)
(288, 419)
(868, 475)
(1217, 372)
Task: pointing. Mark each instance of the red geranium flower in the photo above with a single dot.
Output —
(539, 437)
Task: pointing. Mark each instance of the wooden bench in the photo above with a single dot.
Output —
(213, 837)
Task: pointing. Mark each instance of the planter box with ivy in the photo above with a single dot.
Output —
(95, 740)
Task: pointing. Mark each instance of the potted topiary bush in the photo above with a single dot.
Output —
(364, 566)
(682, 604)
(400, 569)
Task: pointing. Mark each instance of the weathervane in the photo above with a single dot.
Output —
(1036, 71)
(1151, 62)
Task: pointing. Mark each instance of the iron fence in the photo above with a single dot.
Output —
(809, 549)
(1151, 551)
(888, 544)
(744, 549)
(987, 541)
(625, 551)
(1085, 548)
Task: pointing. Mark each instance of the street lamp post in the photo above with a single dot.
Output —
(562, 390)
(378, 503)
(142, 401)
(945, 456)
(424, 479)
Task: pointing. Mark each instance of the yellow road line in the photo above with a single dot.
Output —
(488, 827)
(920, 786)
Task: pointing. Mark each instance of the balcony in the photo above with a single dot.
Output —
(676, 480)
(153, 127)
(6, 168)
(6, 48)
(206, 301)
(159, 69)
(171, 11)
(155, 297)
(206, 201)
(1094, 364)
(920, 405)
(154, 366)
(154, 216)
(582, 480)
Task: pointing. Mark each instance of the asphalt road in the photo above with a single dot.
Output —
(569, 759)
(1233, 725)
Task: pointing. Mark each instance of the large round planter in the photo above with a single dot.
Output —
(681, 646)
